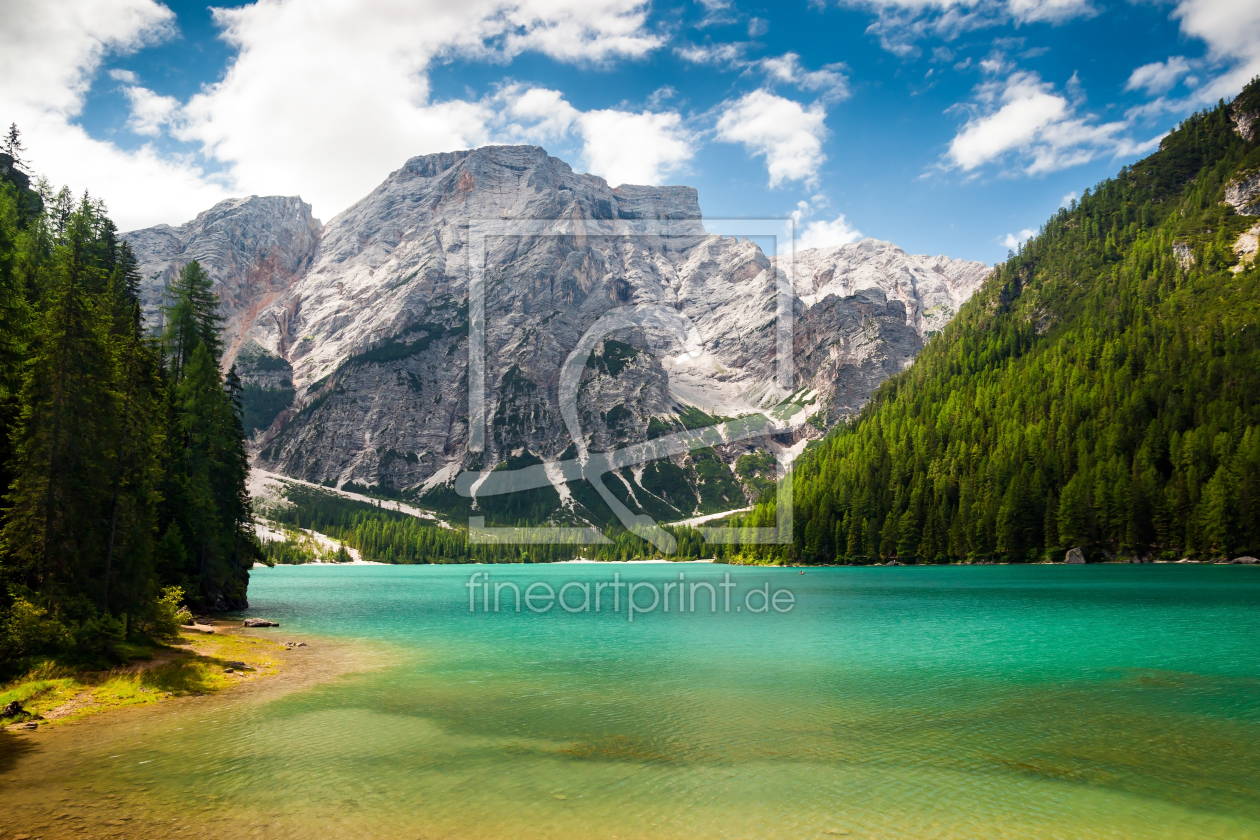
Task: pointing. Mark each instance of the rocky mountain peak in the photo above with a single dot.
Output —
(254, 249)
(931, 287)
(357, 354)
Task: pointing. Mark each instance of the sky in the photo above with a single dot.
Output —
(950, 127)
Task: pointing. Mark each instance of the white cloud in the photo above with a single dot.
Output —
(1229, 28)
(1014, 240)
(1068, 199)
(1049, 11)
(789, 135)
(830, 81)
(49, 51)
(824, 234)
(321, 99)
(149, 111)
(534, 115)
(327, 99)
(48, 55)
(1160, 76)
(622, 147)
(731, 54)
(627, 148)
(901, 23)
(1023, 116)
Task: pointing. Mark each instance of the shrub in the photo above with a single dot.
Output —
(166, 615)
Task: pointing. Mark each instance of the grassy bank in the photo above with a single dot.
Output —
(195, 664)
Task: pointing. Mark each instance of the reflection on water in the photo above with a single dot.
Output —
(897, 702)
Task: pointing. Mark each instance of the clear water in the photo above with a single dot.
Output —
(968, 702)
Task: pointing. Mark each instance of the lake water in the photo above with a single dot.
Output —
(936, 702)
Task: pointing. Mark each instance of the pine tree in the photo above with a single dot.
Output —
(192, 319)
(12, 146)
(54, 527)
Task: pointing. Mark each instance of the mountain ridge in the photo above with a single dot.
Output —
(360, 359)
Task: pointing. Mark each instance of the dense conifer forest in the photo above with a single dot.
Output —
(1102, 390)
(122, 454)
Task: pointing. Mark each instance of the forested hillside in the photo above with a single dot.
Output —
(1102, 390)
(123, 463)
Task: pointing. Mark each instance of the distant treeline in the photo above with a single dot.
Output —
(389, 536)
(121, 453)
(1101, 390)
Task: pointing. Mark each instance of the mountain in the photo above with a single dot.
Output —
(932, 288)
(253, 248)
(354, 349)
(1100, 390)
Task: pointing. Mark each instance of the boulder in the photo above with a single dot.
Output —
(260, 622)
(12, 710)
(1074, 555)
(1246, 561)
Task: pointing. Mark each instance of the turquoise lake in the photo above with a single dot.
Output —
(985, 701)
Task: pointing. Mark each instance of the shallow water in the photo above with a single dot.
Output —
(1046, 701)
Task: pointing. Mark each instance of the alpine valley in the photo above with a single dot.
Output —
(352, 339)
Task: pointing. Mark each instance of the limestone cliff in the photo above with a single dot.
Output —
(254, 249)
(357, 341)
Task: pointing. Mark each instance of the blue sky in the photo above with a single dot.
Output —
(945, 126)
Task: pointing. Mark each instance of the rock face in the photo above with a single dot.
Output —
(1184, 255)
(1074, 555)
(1246, 123)
(932, 288)
(362, 358)
(10, 173)
(1244, 194)
(846, 347)
(254, 248)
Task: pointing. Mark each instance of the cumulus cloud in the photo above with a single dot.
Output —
(1228, 29)
(533, 115)
(1014, 240)
(327, 99)
(623, 147)
(829, 80)
(628, 148)
(786, 133)
(1159, 76)
(149, 111)
(824, 234)
(49, 54)
(1024, 117)
(321, 100)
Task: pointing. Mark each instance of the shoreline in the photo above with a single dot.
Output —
(200, 665)
(41, 770)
